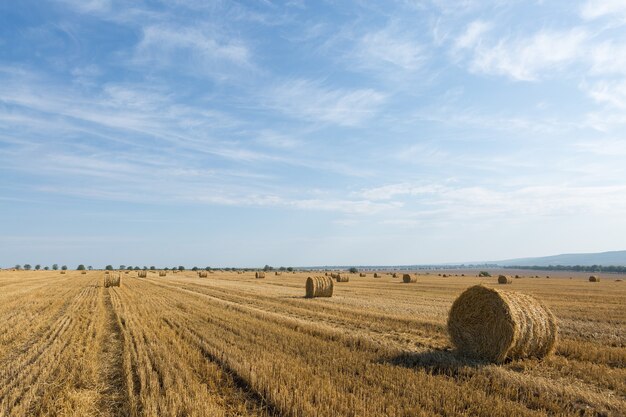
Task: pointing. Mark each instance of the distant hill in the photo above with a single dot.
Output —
(614, 258)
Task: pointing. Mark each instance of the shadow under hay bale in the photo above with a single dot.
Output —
(407, 278)
(494, 325)
(503, 279)
(435, 362)
(319, 287)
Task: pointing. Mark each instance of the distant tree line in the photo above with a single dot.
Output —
(615, 269)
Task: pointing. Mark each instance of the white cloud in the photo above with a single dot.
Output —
(593, 9)
(612, 93)
(473, 34)
(380, 49)
(529, 58)
(311, 100)
(88, 6)
(192, 49)
(607, 58)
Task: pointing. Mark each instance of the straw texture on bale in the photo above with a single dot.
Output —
(376, 275)
(111, 281)
(362, 274)
(594, 278)
(407, 278)
(494, 325)
(503, 279)
(277, 273)
(259, 274)
(342, 278)
(203, 274)
(142, 274)
(162, 273)
(319, 287)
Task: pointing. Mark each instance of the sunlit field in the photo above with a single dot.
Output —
(233, 345)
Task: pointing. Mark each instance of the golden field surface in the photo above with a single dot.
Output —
(233, 345)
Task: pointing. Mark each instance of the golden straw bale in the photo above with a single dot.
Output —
(395, 275)
(494, 325)
(83, 272)
(277, 273)
(342, 278)
(111, 281)
(259, 274)
(203, 274)
(376, 275)
(503, 279)
(142, 274)
(407, 278)
(362, 274)
(63, 272)
(321, 286)
(594, 278)
(162, 273)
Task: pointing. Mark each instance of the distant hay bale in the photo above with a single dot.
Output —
(83, 272)
(319, 287)
(126, 272)
(259, 274)
(517, 277)
(618, 280)
(407, 278)
(63, 272)
(334, 275)
(203, 274)
(444, 275)
(494, 325)
(394, 275)
(376, 275)
(277, 273)
(111, 281)
(362, 274)
(594, 278)
(142, 274)
(106, 272)
(342, 278)
(162, 273)
(503, 279)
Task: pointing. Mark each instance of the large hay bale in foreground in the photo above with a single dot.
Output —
(342, 278)
(319, 287)
(203, 274)
(111, 281)
(594, 278)
(503, 279)
(259, 274)
(407, 278)
(494, 325)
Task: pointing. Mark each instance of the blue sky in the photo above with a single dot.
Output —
(306, 133)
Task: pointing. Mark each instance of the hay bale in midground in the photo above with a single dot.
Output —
(594, 278)
(376, 275)
(503, 279)
(259, 274)
(142, 274)
(203, 274)
(162, 273)
(362, 274)
(394, 275)
(319, 287)
(111, 281)
(278, 273)
(83, 272)
(63, 272)
(343, 278)
(494, 325)
(407, 278)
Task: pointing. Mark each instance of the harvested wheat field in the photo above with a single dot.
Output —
(232, 345)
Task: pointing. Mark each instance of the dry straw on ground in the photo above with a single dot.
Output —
(259, 274)
(503, 279)
(594, 278)
(494, 325)
(407, 278)
(321, 286)
(342, 278)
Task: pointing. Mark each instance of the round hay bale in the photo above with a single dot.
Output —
(362, 274)
(142, 274)
(394, 275)
(277, 273)
(517, 277)
(494, 325)
(63, 272)
(407, 278)
(259, 274)
(319, 287)
(162, 273)
(342, 278)
(203, 274)
(83, 272)
(594, 278)
(503, 279)
(376, 275)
